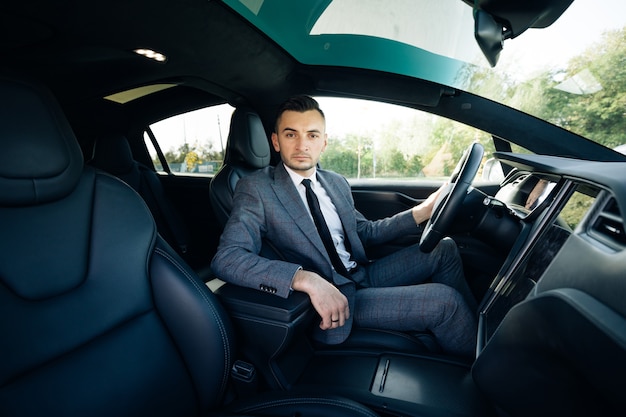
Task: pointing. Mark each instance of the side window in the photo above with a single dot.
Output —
(191, 143)
(369, 140)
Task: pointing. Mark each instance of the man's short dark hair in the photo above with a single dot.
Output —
(298, 104)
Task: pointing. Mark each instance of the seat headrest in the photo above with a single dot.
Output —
(40, 159)
(247, 141)
(112, 153)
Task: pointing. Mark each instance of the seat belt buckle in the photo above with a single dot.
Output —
(244, 378)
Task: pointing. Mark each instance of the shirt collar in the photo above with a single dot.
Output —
(297, 178)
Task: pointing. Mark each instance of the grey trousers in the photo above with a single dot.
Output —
(412, 291)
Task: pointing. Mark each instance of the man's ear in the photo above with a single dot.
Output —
(275, 143)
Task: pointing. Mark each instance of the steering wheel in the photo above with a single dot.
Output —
(451, 198)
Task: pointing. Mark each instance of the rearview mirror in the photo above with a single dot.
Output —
(490, 35)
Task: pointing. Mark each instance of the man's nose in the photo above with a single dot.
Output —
(301, 144)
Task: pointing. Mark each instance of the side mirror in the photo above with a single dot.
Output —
(492, 171)
(490, 35)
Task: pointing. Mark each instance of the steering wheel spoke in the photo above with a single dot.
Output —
(450, 201)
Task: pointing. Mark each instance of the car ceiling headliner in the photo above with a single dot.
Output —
(70, 53)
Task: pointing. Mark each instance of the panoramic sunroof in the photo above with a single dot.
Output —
(419, 38)
(443, 27)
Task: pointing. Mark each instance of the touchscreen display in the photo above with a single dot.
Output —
(525, 192)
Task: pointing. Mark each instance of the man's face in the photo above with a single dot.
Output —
(300, 139)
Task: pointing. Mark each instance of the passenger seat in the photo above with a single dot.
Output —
(94, 325)
(112, 154)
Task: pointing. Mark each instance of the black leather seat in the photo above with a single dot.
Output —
(98, 316)
(247, 151)
(113, 154)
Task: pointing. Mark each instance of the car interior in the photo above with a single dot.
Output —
(113, 155)
(108, 303)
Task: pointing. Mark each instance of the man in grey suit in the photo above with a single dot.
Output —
(406, 291)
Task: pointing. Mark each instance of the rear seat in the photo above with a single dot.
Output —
(112, 154)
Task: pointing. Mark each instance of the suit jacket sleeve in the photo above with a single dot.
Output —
(237, 259)
(385, 230)
(370, 232)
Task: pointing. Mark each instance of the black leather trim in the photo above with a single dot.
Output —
(254, 303)
(564, 344)
(197, 322)
(247, 143)
(289, 405)
(40, 159)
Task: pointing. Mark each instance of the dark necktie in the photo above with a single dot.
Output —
(322, 228)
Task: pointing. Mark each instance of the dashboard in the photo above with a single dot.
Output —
(525, 192)
(555, 200)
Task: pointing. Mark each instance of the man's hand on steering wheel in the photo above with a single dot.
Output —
(424, 210)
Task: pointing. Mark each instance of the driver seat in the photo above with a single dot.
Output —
(247, 151)
(99, 316)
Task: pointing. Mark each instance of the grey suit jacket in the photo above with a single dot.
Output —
(267, 206)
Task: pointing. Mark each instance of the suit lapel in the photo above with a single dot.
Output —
(345, 209)
(342, 204)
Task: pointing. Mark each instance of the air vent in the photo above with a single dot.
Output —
(609, 225)
(520, 179)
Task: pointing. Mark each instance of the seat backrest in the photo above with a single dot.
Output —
(98, 317)
(247, 150)
(112, 153)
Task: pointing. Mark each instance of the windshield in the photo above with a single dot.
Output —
(572, 74)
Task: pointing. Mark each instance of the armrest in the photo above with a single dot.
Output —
(269, 329)
(242, 301)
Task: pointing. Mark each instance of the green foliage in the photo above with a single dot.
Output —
(356, 157)
(343, 155)
(189, 157)
(422, 146)
(597, 115)
(575, 209)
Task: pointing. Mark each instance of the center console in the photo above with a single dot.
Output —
(273, 337)
(398, 384)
